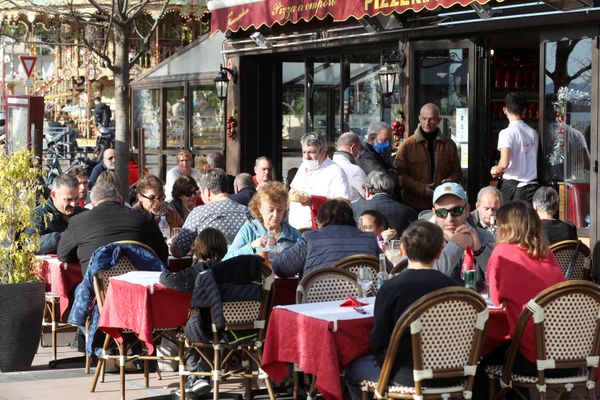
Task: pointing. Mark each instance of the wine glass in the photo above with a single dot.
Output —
(364, 277)
(394, 248)
(383, 245)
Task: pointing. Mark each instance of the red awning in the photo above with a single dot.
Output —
(234, 15)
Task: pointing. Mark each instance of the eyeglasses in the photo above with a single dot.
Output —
(153, 198)
(454, 211)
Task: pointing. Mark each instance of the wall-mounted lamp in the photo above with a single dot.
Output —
(388, 74)
(222, 82)
(260, 40)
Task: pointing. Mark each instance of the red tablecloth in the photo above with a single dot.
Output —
(315, 347)
(61, 278)
(318, 350)
(132, 306)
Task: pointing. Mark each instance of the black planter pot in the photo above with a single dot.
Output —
(21, 310)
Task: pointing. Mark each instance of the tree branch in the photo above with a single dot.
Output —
(580, 72)
(149, 35)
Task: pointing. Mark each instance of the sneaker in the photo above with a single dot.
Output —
(196, 385)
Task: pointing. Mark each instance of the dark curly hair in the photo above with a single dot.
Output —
(335, 212)
(184, 185)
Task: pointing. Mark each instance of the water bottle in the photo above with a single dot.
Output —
(271, 245)
(164, 227)
(382, 275)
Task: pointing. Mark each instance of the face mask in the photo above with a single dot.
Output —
(381, 147)
(311, 165)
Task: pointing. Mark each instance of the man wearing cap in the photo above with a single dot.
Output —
(450, 212)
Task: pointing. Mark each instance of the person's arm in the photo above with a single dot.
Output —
(449, 259)
(183, 280)
(357, 181)
(291, 261)
(67, 246)
(49, 243)
(401, 164)
(242, 243)
(498, 170)
(169, 185)
(182, 243)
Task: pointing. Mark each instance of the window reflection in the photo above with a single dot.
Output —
(207, 117)
(175, 116)
(146, 115)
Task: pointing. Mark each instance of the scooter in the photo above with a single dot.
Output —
(104, 140)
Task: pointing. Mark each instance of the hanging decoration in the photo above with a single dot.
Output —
(232, 125)
(398, 129)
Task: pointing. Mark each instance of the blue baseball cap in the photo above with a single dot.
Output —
(452, 188)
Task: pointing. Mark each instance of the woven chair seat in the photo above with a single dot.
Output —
(411, 390)
(496, 371)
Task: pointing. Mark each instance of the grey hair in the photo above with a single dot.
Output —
(314, 139)
(216, 160)
(64, 180)
(104, 191)
(243, 180)
(545, 199)
(490, 190)
(375, 127)
(261, 158)
(214, 180)
(379, 182)
(348, 139)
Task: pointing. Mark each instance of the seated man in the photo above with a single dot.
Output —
(243, 185)
(545, 203)
(378, 191)
(451, 209)
(218, 211)
(52, 218)
(107, 164)
(82, 178)
(263, 171)
(109, 221)
(489, 200)
(422, 242)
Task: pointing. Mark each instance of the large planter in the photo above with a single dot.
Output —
(21, 310)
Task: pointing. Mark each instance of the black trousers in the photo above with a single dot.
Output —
(510, 191)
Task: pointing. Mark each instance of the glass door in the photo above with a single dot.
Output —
(443, 73)
(323, 97)
(567, 124)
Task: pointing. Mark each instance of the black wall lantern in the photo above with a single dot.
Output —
(388, 74)
(222, 82)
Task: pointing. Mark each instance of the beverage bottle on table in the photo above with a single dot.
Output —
(164, 227)
(382, 275)
(468, 268)
(492, 228)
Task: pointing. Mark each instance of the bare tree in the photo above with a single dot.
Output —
(106, 27)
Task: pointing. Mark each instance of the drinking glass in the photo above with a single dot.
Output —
(364, 277)
(175, 232)
(394, 248)
(383, 245)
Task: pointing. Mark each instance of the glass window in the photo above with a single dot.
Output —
(146, 115)
(324, 97)
(207, 118)
(567, 124)
(361, 95)
(292, 119)
(175, 117)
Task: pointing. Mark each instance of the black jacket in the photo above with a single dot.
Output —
(107, 223)
(51, 229)
(370, 160)
(243, 196)
(399, 215)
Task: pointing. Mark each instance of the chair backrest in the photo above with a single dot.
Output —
(246, 315)
(401, 266)
(447, 328)
(567, 327)
(354, 262)
(327, 284)
(102, 278)
(574, 258)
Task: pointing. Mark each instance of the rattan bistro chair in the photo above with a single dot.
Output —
(101, 282)
(565, 317)
(574, 258)
(447, 328)
(356, 261)
(327, 284)
(240, 316)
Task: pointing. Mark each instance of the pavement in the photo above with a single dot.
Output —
(69, 381)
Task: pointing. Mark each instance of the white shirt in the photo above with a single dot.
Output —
(523, 142)
(329, 181)
(172, 176)
(355, 175)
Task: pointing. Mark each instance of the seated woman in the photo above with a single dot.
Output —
(269, 208)
(184, 195)
(336, 238)
(520, 267)
(374, 221)
(422, 242)
(209, 248)
(151, 198)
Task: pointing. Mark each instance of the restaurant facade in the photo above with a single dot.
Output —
(305, 66)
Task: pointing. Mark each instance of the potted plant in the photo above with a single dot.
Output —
(21, 291)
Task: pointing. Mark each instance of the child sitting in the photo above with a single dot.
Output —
(374, 221)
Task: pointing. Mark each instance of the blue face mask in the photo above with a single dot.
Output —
(381, 148)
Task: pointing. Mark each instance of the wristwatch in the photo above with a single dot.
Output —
(481, 249)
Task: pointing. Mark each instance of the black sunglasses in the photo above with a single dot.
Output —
(153, 198)
(454, 211)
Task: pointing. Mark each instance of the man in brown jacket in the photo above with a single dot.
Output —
(426, 159)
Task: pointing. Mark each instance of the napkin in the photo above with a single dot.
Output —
(352, 302)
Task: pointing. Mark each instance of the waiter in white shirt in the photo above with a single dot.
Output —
(316, 176)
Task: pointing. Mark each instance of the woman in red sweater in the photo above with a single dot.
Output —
(520, 267)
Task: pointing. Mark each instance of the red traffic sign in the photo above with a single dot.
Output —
(28, 62)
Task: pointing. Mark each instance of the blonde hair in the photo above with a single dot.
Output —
(519, 224)
(272, 191)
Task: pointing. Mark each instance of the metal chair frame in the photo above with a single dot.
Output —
(547, 320)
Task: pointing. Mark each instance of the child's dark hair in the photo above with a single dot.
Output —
(515, 103)
(210, 244)
(423, 241)
(379, 219)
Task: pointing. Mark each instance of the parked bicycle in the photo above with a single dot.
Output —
(60, 151)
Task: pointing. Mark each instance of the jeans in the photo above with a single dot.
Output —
(364, 368)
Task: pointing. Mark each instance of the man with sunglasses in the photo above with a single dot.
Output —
(451, 210)
(107, 164)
